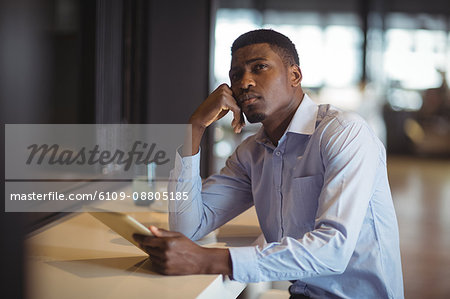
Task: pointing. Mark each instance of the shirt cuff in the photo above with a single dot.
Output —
(245, 264)
(186, 167)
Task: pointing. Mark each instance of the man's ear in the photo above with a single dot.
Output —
(296, 75)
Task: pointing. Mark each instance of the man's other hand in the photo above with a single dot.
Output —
(172, 253)
(216, 105)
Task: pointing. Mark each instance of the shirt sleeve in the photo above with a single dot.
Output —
(209, 205)
(351, 155)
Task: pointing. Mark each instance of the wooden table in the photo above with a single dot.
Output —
(79, 257)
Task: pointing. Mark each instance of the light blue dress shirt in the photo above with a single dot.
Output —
(323, 202)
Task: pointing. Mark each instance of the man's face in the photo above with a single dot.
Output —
(260, 82)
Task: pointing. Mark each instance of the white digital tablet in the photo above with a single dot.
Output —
(121, 223)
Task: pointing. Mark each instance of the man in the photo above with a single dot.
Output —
(316, 175)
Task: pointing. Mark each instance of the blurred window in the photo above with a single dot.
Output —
(415, 50)
(329, 45)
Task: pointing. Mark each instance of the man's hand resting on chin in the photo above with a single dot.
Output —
(172, 253)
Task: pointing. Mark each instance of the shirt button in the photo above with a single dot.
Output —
(278, 153)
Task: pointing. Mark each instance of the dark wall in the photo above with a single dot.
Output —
(179, 58)
(51, 74)
(24, 98)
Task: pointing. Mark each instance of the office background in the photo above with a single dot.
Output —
(119, 61)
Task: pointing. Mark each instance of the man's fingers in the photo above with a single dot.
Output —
(156, 253)
(238, 120)
(160, 232)
(216, 106)
(150, 241)
(225, 88)
(139, 238)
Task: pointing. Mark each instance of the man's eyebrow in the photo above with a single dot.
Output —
(255, 59)
(248, 62)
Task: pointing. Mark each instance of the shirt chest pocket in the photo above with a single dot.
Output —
(303, 201)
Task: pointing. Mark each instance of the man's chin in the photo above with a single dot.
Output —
(255, 117)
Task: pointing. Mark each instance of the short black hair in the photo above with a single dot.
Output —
(277, 41)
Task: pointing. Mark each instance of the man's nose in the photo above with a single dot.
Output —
(247, 81)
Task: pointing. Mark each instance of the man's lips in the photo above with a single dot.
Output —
(248, 99)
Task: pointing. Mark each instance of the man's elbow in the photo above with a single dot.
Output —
(338, 264)
(337, 268)
(336, 254)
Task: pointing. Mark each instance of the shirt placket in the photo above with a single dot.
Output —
(278, 181)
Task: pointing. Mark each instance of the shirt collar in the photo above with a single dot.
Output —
(303, 121)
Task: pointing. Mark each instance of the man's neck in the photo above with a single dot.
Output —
(275, 128)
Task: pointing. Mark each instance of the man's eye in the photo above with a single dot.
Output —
(234, 77)
(259, 67)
